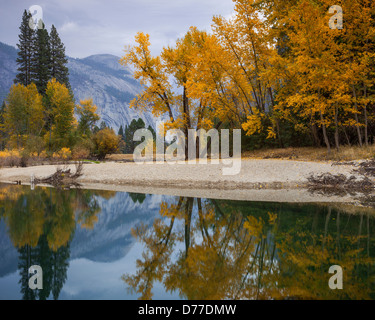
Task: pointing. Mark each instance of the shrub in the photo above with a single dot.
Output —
(63, 154)
(106, 141)
(10, 158)
(80, 153)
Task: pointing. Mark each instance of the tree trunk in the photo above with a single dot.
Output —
(366, 127)
(315, 135)
(366, 120)
(188, 214)
(346, 136)
(281, 144)
(356, 118)
(204, 153)
(337, 140)
(187, 123)
(328, 217)
(326, 140)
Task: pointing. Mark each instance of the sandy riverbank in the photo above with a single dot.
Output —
(263, 180)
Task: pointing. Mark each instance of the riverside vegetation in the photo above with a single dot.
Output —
(275, 69)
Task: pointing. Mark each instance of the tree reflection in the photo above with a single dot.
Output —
(137, 197)
(41, 226)
(230, 250)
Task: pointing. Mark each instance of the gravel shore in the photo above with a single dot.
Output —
(272, 180)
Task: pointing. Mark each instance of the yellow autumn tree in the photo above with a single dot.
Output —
(87, 113)
(191, 64)
(23, 114)
(245, 38)
(59, 114)
(322, 75)
(106, 141)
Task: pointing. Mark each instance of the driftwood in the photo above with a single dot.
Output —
(366, 168)
(63, 177)
(340, 184)
(362, 181)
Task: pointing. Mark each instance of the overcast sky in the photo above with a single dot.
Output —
(105, 26)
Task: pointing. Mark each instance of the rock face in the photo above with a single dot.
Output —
(100, 77)
(8, 69)
(111, 86)
(110, 239)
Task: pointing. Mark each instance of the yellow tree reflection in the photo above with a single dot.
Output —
(208, 250)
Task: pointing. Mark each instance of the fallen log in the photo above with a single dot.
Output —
(63, 177)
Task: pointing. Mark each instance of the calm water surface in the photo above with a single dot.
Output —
(113, 245)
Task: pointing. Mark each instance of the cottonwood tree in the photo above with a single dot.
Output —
(180, 64)
(23, 114)
(59, 114)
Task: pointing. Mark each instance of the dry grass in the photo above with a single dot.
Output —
(303, 154)
(313, 154)
(119, 157)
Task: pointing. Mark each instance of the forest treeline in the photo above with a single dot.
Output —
(40, 118)
(276, 69)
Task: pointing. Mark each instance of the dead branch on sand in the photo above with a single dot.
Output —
(63, 177)
(340, 182)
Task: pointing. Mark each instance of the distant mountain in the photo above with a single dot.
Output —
(8, 69)
(111, 86)
(100, 77)
(109, 240)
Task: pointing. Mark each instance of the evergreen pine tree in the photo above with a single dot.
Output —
(129, 131)
(59, 70)
(25, 260)
(121, 131)
(41, 60)
(102, 125)
(25, 52)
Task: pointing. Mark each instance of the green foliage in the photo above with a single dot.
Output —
(41, 225)
(38, 112)
(41, 60)
(25, 53)
(86, 112)
(41, 56)
(128, 135)
(59, 70)
(61, 114)
(121, 131)
(137, 197)
(23, 115)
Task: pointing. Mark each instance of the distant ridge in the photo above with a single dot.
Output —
(100, 77)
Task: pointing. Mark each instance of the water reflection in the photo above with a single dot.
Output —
(41, 225)
(194, 248)
(238, 250)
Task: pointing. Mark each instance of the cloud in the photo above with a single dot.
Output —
(95, 26)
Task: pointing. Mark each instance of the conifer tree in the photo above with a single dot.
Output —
(121, 131)
(41, 60)
(25, 52)
(59, 70)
